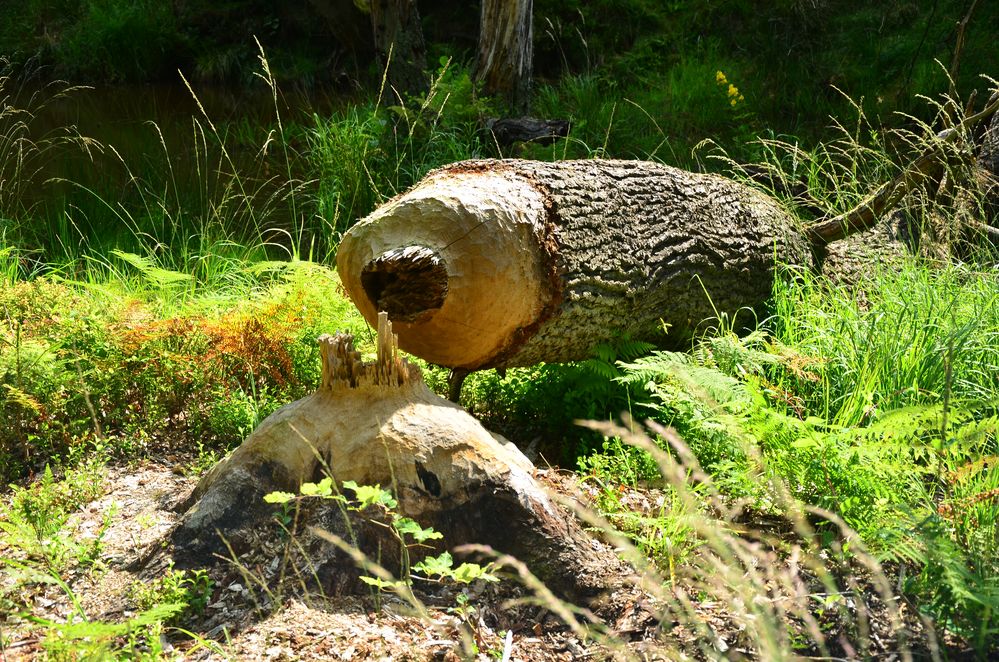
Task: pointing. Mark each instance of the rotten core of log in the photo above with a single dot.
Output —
(408, 283)
(377, 423)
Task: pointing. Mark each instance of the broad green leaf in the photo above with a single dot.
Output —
(381, 584)
(469, 572)
(435, 565)
(323, 488)
(804, 443)
(279, 497)
(369, 495)
(408, 527)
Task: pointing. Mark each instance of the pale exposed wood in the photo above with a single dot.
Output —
(483, 229)
(377, 423)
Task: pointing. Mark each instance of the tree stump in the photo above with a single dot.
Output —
(378, 424)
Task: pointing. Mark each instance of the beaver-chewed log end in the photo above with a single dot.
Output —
(460, 263)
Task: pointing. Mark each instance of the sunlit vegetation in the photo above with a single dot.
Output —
(169, 309)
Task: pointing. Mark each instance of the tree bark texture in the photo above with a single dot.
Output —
(506, 51)
(508, 263)
(399, 44)
(378, 424)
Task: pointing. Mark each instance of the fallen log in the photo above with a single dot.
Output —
(377, 423)
(502, 263)
(489, 264)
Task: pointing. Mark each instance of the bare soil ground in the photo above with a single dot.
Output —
(264, 607)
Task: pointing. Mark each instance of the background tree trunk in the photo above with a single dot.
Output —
(399, 44)
(506, 51)
(988, 173)
(348, 24)
(507, 263)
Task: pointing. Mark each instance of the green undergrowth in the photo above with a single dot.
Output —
(150, 361)
(882, 409)
(374, 150)
(44, 547)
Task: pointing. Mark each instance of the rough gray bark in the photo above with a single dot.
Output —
(588, 251)
(399, 45)
(506, 51)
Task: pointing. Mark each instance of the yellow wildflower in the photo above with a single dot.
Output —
(720, 78)
(733, 91)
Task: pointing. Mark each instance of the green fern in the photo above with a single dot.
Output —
(154, 274)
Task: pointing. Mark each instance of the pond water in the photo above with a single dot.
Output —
(159, 139)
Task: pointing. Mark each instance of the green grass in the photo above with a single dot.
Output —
(883, 410)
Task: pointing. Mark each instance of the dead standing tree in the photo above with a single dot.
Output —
(399, 45)
(506, 51)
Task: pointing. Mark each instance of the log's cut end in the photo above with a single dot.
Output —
(461, 264)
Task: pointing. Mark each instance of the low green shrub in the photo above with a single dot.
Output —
(191, 590)
(97, 365)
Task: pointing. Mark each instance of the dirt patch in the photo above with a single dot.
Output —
(265, 605)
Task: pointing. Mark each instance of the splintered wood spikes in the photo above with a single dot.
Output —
(377, 423)
(343, 367)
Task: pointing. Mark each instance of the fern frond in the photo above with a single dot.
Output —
(153, 273)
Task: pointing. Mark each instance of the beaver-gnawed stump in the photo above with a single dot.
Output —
(378, 423)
